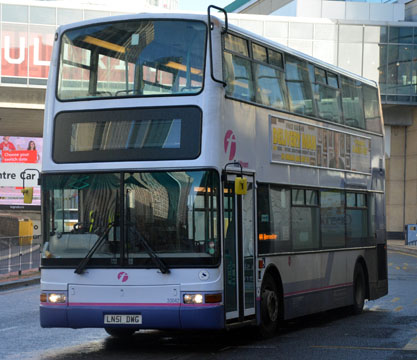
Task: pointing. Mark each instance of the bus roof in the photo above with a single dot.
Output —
(144, 15)
(234, 28)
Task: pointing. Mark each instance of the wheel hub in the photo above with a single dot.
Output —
(271, 304)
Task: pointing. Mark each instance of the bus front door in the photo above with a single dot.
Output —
(239, 251)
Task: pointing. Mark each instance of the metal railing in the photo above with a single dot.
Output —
(20, 253)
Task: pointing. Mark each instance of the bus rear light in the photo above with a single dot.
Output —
(213, 298)
(261, 263)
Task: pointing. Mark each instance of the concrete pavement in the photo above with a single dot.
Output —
(398, 245)
(13, 280)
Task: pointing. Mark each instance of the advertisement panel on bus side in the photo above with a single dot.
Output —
(306, 144)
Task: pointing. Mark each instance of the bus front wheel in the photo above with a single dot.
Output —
(270, 301)
(120, 332)
(359, 290)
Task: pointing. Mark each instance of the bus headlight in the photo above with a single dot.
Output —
(193, 298)
(57, 298)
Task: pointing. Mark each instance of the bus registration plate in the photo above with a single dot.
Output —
(122, 319)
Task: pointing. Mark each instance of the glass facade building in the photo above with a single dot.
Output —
(398, 64)
(377, 40)
(27, 36)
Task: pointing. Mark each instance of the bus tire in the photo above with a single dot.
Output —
(359, 290)
(270, 305)
(120, 332)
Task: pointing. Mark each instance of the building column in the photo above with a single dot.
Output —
(394, 185)
(411, 172)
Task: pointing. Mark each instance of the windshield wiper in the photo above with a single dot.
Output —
(81, 266)
(155, 258)
(152, 254)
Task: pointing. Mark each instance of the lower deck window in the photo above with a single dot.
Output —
(333, 218)
(356, 219)
(306, 219)
(273, 219)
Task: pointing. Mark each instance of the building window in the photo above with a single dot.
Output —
(14, 13)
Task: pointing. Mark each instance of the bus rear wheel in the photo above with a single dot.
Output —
(270, 304)
(120, 332)
(359, 290)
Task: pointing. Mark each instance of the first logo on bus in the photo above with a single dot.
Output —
(122, 276)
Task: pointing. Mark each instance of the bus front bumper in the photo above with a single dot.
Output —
(160, 316)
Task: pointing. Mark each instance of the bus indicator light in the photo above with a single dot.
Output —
(268, 237)
(213, 298)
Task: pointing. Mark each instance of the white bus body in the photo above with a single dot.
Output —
(164, 239)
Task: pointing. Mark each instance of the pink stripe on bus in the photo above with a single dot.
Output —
(122, 304)
(143, 304)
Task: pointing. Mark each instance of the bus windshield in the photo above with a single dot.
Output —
(132, 58)
(173, 215)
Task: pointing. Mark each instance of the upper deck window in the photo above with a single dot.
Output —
(371, 108)
(275, 58)
(259, 53)
(352, 103)
(299, 88)
(327, 95)
(236, 45)
(257, 74)
(132, 58)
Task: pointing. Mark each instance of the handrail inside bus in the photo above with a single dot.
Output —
(226, 26)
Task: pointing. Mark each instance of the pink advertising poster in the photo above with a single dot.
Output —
(20, 165)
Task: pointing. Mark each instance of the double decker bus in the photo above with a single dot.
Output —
(218, 179)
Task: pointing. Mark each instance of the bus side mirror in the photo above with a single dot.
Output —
(27, 195)
(241, 186)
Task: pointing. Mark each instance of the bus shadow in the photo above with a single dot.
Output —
(211, 344)
(216, 341)
(330, 318)
(196, 341)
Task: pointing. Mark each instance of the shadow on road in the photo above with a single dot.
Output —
(152, 344)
